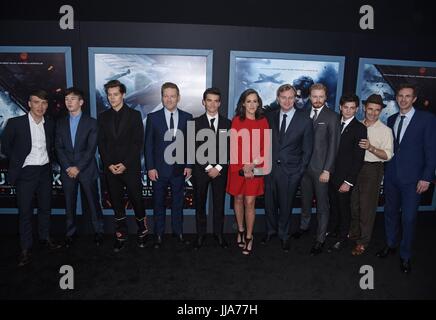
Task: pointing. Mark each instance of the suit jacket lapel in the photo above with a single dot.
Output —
(78, 130)
(410, 127)
(68, 132)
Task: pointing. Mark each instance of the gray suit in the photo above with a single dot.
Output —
(326, 136)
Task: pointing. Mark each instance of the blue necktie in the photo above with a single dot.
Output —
(400, 126)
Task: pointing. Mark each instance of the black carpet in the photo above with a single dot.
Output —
(178, 272)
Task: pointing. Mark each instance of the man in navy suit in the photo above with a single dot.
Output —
(408, 174)
(163, 172)
(76, 144)
(292, 142)
(27, 142)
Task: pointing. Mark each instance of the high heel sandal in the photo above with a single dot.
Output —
(241, 237)
(248, 248)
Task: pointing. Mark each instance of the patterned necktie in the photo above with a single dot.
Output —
(315, 115)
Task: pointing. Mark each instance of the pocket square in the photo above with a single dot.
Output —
(320, 123)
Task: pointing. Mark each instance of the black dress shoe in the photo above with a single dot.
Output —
(221, 241)
(337, 246)
(267, 238)
(50, 244)
(299, 233)
(317, 248)
(119, 244)
(383, 253)
(158, 242)
(199, 242)
(405, 266)
(141, 240)
(332, 234)
(285, 245)
(98, 239)
(182, 240)
(24, 258)
(68, 242)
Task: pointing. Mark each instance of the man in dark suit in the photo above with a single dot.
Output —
(211, 167)
(408, 174)
(76, 144)
(349, 161)
(120, 143)
(27, 142)
(292, 142)
(165, 129)
(315, 180)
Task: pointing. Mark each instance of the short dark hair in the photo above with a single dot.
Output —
(212, 90)
(286, 87)
(74, 91)
(349, 97)
(169, 85)
(114, 84)
(240, 109)
(407, 86)
(41, 94)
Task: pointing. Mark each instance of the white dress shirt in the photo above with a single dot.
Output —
(406, 122)
(215, 124)
(175, 119)
(38, 155)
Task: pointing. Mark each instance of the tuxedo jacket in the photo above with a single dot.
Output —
(155, 145)
(123, 146)
(17, 143)
(295, 149)
(350, 156)
(82, 155)
(224, 125)
(415, 157)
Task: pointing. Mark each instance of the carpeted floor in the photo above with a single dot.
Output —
(178, 272)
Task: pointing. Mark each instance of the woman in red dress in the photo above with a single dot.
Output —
(247, 159)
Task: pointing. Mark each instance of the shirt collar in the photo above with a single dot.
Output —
(211, 117)
(409, 113)
(167, 112)
(319, 109)
(288, 113)
(75, 117)
(33, 120)
(347, 121)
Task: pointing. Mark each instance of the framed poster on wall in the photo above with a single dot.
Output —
(383, 76)
(143, 71)
(266, 71)
(23, 69)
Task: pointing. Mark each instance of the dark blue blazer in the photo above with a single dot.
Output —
(415, 157)
(155, 129)
(296, 148)
(82, 155)
(17, 143)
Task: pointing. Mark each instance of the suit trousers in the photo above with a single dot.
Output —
(89, 189)
(218, 185)
(160, 188)
(280, 190)
(311, 185)
(401, 206)
(117, 186)
(34, 180)
(364, 202)
(340, 211)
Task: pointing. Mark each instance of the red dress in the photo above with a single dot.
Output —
(236, 184)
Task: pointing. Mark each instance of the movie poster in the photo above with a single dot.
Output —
(266, 71)
(23, 69)
(383, 77)
(143, 71)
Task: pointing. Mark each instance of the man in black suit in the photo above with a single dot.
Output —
(349, 161)
(76, 144)
(27, 142)
(213, 172)
(326, 133)
(120, 143)
(292, 142)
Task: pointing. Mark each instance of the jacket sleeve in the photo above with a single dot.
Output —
(429, 149)
(91, 147)
(101, 138)
(60, 149)
(307, 146)
(333, 143)
(137, 140)
(7, 138)
(188, 165)
(149, 144)
(357, 157)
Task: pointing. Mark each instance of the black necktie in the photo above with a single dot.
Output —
(315, 115)
(172, 125)
(212, 125)
(282, 128)
(342, 126)
(400, 126)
